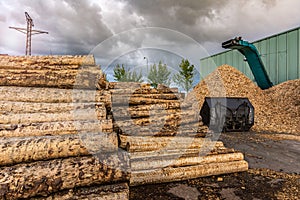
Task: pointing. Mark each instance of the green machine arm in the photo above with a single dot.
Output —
(253, 58)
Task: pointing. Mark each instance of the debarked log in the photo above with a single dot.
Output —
(86, 77)
(160, 120)
(53, 95)
(22, 118)
(171, 96)
(29, 149)
(46, 62)
(137, 90)
(161, 106)
(181, 152)
(160, 131)
(170, 174)
(55, 128)
(119, 100)
(29, 107)
(155, 112)
(46, 177)
(180, 160)
(101, 192)
(148, 143)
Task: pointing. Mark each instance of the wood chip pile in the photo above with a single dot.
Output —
(57, 142)
(165, 136)
(276, 109)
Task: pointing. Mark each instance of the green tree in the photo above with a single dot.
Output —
(184, 78)
(159, 75)
(124, 75)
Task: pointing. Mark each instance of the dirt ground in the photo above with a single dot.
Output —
(274, 173)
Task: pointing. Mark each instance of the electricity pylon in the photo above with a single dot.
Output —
(29, 32)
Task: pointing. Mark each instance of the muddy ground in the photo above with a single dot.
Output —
(274, 173)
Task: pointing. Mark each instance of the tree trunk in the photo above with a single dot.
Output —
(140, 144)
(161, 106)
(86, 77)
(46, 177)
(29, 149)
(53, 95)
(55, 128)
(137, 90)
(214, 150)
(170, 174)
(28, 107)
(23, 118)
(181, 160)
(101, 192)
(46, 62)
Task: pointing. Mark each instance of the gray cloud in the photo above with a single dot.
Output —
(76, 26)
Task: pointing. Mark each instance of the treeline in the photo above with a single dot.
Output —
(158, 74)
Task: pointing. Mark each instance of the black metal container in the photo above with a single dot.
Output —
(227, 114)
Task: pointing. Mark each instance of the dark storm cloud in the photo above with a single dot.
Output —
(204, 20)
(74, 26)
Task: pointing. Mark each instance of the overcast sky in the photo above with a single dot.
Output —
(114, 28)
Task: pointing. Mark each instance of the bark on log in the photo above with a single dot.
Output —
(53, 95)
(127, 112)
(140, 144)
(192, 131)
(29, 149)
(46, 177)
(119, 100)
(162, 106)
(28, 107)
(75, 115)
(55, 128)
(171, 174)
(87, 77)
(180, 160)
(171, 96)
(180, 152)
(161, 118)
(101, 192)
(46, 62)
(135, 90)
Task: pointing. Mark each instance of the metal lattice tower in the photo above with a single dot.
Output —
(29, 32)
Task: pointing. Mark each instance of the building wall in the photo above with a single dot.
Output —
(280, 54)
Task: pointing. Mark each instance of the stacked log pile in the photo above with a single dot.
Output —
(276, 109)
(165, 137)
(56, 139)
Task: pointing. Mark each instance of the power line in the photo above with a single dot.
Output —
(29, 32)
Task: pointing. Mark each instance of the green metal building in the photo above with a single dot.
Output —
(280, 54)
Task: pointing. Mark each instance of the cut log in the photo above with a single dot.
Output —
(46, 177)
(192, 131)
(161, 118)
(180, 152)
(55, 128)
(29, 149)
(171, 96)
(53, 95)
(23, 118)
(85, 77)
(139, 144)
(136, 90)
(171, 174)
(143, 113)
(46, 62)
(28, 107)
(119, 100)
(162, 106)
(101, 192)
(182, 160)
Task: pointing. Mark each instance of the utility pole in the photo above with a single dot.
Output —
(29, 32)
